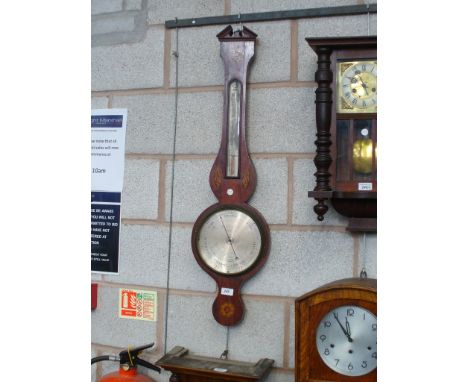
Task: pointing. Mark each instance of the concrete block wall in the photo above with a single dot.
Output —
(133, 67)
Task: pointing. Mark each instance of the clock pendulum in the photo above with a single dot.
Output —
(231, 239)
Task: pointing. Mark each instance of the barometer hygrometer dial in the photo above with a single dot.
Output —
(229, 241)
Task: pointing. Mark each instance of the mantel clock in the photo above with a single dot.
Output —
(231, 239)
(336, 332)
(346, 116)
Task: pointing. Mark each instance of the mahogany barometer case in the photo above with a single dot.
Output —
(231, 239)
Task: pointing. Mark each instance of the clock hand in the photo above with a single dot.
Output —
(342, 327)
(348, 328)
(229, 238)
(363, 84)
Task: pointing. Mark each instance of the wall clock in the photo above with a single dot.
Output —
(231, 239)
(336, 332)
(346, 117)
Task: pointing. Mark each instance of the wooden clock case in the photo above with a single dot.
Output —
(359, 206)
(309, 311)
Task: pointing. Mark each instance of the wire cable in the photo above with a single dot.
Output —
(176, 100)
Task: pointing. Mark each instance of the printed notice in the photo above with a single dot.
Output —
(105, 229)
(108, 127)
(138, 304)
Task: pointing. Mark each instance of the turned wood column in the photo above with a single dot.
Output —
(323, 109)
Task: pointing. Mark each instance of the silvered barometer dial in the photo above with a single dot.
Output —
(229, 241)
(347, 340)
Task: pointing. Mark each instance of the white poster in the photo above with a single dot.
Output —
(108, 127)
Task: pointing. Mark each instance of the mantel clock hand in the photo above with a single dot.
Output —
(342, 327)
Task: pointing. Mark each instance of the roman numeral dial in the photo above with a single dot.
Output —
(357, 87)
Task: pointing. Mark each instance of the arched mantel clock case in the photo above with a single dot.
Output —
(346, 117)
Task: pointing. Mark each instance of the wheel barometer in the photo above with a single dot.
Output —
(230, 239)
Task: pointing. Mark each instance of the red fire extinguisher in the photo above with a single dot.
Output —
(129, 361)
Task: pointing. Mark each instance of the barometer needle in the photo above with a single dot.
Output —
(229, 238)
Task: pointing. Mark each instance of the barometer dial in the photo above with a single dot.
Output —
(229, 241)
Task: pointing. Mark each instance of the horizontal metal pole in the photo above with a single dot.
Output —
(271, 16)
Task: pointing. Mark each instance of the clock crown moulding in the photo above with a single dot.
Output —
(346, 118)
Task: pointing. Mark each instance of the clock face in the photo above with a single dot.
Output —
(229, 241)
(347, 340)
(357, 87)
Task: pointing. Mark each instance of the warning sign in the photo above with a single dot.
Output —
(138, 304)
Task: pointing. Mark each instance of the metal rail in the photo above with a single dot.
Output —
(346, 10)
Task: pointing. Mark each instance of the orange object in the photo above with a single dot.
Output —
(130, 375)
(129, 361)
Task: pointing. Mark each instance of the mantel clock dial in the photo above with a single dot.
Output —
(346, 340)
(336, 332)
(231, 239)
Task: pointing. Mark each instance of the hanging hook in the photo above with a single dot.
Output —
(175, 53)
(239, 21)
(368, 17)
(363, 274)
(224, 354)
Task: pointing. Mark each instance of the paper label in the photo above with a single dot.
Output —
(227, 291)
(365, 186)
(220, 370)
(138, 304)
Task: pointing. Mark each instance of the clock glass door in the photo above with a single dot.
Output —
(356, 163)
